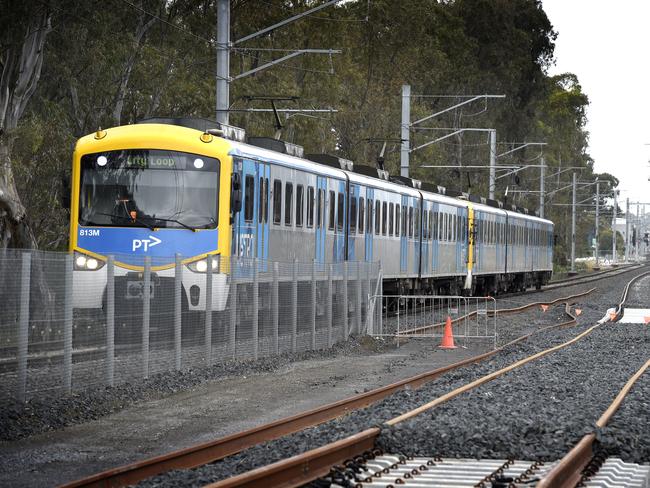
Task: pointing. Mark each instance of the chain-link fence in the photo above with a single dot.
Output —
(67, 324)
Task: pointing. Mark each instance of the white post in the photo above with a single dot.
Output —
(493, 162)
(146, 308)
(573, 226)
(614, 230)
(627, 229)
(542, 170)
(223, 60)
(110, 321)
(597, 267)
(178, 304)
(23, 325)
(208, 311)
(67, 326)
(406, 129)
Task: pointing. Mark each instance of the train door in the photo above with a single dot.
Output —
(340, 223)
(426, 235)
(404, 240)
(321, 214)
(370, 223)
(251, 226)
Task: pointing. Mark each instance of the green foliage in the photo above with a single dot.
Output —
(447, 47)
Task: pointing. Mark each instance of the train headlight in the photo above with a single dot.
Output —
(201, 266)
(82, 262)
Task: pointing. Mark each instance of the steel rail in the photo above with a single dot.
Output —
(211, 451)
(568, 472)
(297, 470)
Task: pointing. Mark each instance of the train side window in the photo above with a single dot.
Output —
(410, 221)
(435, 225)
(398, 214)
(319, 208)
(369, 215)
(277, 201)
(404, 222)
(353, 214)
(300, 190)
(310, 206)
(288, 204)
(391, 218)
(416, 223)
(362, 215)
(384, 217)
(377, 217)
(341, 212)
(332, 202)
(249, 196)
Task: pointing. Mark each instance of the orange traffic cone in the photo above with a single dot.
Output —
(447, 336)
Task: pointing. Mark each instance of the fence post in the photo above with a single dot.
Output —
(146, 308)
(346, 329)
(312, 317)
(358, 307)
(275, 306)
(381, 301)
(110, 321)
(369, 293)
(208, 311)
(294, 306)
(178, 313)
(67, 326)
(23, 331)
(232, 334)
(330, 343)
(256, 307)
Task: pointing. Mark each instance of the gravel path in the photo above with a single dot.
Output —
(553, 385)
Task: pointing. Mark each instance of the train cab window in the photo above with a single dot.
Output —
(391, 219)
(288, 204)
(300, 190)
(353, 214)
(277, 201)
(249, 198)
(332, 202)
(384, 217)
(377, 217)
(362, 215)
(398, 214)
(310, 206)
(341, 212)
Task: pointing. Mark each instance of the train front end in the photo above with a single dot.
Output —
(152, 195)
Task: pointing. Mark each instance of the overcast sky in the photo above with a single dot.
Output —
(607, 45)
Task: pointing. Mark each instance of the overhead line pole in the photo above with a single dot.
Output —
(224, 46)
(407, 125)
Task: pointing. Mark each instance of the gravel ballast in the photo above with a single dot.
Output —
(540, 401)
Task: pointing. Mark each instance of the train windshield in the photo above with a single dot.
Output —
(149, 188)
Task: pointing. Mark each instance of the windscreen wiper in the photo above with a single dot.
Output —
(193, 229)
(137, 220)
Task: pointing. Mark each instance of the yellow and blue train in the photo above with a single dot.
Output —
(188, 187)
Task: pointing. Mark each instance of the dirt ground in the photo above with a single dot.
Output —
(210, 411)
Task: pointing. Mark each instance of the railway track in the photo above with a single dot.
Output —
(318, 462)
(219, 449)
